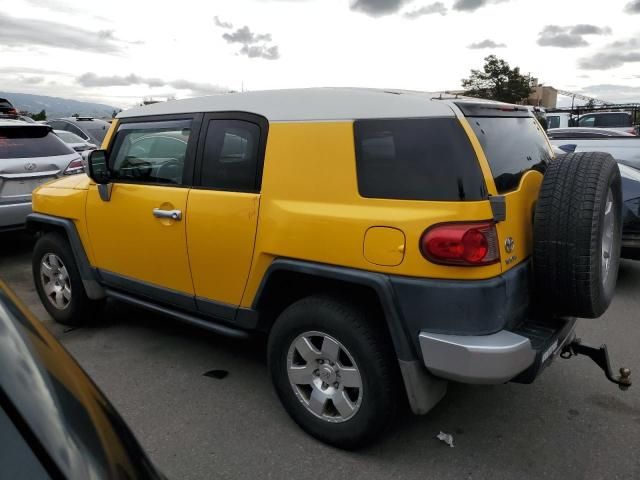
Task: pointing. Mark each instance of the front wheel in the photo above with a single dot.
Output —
(58, 282)
(334, 371)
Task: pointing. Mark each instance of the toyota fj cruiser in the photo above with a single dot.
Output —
(385, 241)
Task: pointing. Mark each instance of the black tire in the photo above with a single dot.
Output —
(568, 234)
(368, 344)
(80, 309)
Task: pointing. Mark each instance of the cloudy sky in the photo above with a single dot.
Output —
(118, 51)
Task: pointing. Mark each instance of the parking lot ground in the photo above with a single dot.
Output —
(570, 424)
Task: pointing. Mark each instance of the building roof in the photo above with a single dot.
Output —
(308, 104)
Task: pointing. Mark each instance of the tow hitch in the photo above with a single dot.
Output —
(601, 357)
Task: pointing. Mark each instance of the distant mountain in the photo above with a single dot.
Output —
(57, 107)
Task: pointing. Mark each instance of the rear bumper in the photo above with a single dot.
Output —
(14, 215)
(518, 355)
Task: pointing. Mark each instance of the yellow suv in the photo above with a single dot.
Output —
(383, 240)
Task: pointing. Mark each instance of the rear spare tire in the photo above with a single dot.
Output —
(577, 234)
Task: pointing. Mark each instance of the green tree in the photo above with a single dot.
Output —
(497, 81)
(39, 116)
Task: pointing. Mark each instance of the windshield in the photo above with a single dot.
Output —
(27, 142)
(513, 146)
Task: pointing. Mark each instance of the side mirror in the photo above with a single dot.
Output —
(98, 167)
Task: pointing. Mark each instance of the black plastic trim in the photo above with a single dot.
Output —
(178, 315)
(161, 294)
(463, 307)
(498, 208)
(87, 272)
(379, 282)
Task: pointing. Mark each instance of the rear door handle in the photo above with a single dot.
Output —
(172, 214)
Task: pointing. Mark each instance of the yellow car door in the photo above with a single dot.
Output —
(137, 230)
(222, 210)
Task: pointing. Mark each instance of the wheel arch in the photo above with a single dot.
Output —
(39, 223)
(288, 280)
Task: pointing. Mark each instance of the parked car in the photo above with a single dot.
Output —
(616, 120)
(7, 109)
(559, 120)
(30, 155)
(585, 132)
(92, 130)
(24, 118)
(625, 149)
(54, 421)
(74, 141)
(324, 218)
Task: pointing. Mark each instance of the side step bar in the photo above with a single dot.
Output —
(601, 357)
(179, 315)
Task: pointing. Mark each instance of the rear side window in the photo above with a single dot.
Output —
(151, 152)
(417, 159)
(513, 146)
(613, 120)
(553, 121)
(230, 158)
(26, 142)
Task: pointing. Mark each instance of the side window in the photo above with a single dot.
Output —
(73, 129)
(151, 152)
(554, 121)
(230, 157)
(587, 121)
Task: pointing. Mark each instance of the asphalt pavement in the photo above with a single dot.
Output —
(570, 424)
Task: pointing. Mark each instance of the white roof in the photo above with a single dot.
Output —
(308, 104)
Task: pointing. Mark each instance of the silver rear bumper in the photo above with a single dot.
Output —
(14, 214)
(483, 359)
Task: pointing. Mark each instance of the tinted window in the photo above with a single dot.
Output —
(553, 121)
(69, 127)
(96, 128)
(417, 159)
(513, 146)
(16, 142)
(58, 124)
(587, 121)
(613, 120)
(230, 157)
(151, 153)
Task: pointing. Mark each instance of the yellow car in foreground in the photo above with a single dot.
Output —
(385, 241)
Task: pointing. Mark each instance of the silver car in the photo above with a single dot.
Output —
(30, 154)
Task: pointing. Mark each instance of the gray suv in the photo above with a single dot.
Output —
(30, 154)
(92, 130)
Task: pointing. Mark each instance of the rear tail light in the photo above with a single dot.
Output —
(74, 167)
(466, 244)
(12, 111)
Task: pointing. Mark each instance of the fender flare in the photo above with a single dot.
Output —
(88, 274)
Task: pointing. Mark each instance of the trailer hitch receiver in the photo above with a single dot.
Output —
(601, 357)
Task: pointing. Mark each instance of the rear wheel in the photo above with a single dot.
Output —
(577, 234)
(334, 371)
(58, 282)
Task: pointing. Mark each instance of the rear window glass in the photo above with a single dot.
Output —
(513, 146)
(30, 142)
(417, 159)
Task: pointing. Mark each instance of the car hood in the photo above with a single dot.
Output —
(76, 182)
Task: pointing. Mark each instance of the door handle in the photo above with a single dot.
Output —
(172, 214)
